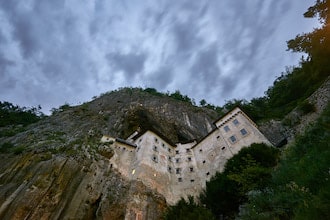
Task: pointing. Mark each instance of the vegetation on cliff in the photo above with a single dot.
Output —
(299, 188)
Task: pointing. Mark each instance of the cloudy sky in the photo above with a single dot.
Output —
(57, 51)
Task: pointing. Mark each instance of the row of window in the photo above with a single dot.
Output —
(180, 180)
(235, 122)
(192, 180)
(233, 138)
(178, 170)
(177, 160)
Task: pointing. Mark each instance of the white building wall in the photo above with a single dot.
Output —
(122, 159)
(151, 166)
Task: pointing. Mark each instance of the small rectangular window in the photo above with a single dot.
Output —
(169, 169)
(169, 150)
(226, 128)
(169, 158)
(233, 139)
(191, 169)
(187, 150)
(177, 160)
(189, 159)
(236, 122)
(180, 179)
(155, 148)
(177, 152)
(192, 181)
(178, 170)
(243, 132)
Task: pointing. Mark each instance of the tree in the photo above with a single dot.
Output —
(247, 171)
(317, 43)
(11, 114)
(202, 102)
(183, 210)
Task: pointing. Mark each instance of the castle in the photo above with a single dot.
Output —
(182, 169)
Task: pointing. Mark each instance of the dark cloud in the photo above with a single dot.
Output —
(131, 64)
(4, 64)
(161, 78)
(205, 68)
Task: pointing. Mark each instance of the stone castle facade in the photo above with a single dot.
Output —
(182, 169)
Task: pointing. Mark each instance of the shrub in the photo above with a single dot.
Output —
(184, 210)
(6, 147)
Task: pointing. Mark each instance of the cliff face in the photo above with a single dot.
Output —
(57, 168)
(281, 132)
(44, 186)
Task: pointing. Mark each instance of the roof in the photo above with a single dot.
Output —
(125, 142)
(239, 110)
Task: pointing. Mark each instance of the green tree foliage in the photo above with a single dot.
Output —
(202, 103)
(184, 210)
(299, 188)
(178, 96)
(317, 43)
(11, 114)
(221, 196)
(247, 171)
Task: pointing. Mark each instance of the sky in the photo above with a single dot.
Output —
(67, 51)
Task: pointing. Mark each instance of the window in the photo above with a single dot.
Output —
(155, 148)
(208, 173)
(191, 169)
(226, 128)
(178, 170)
(192, 181)
(154, 158)
(177, 152)
(200, 150)
(169, 150)
(187, 150)
(218, 137)
(233, 139)
(243, 132)
(236, 122)
(169, 169)
(180, 179)
(223, 148)
(169, 158)
(203, 161)
(156, 140)
(163, 145)
(189, 159)
(177, 160)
